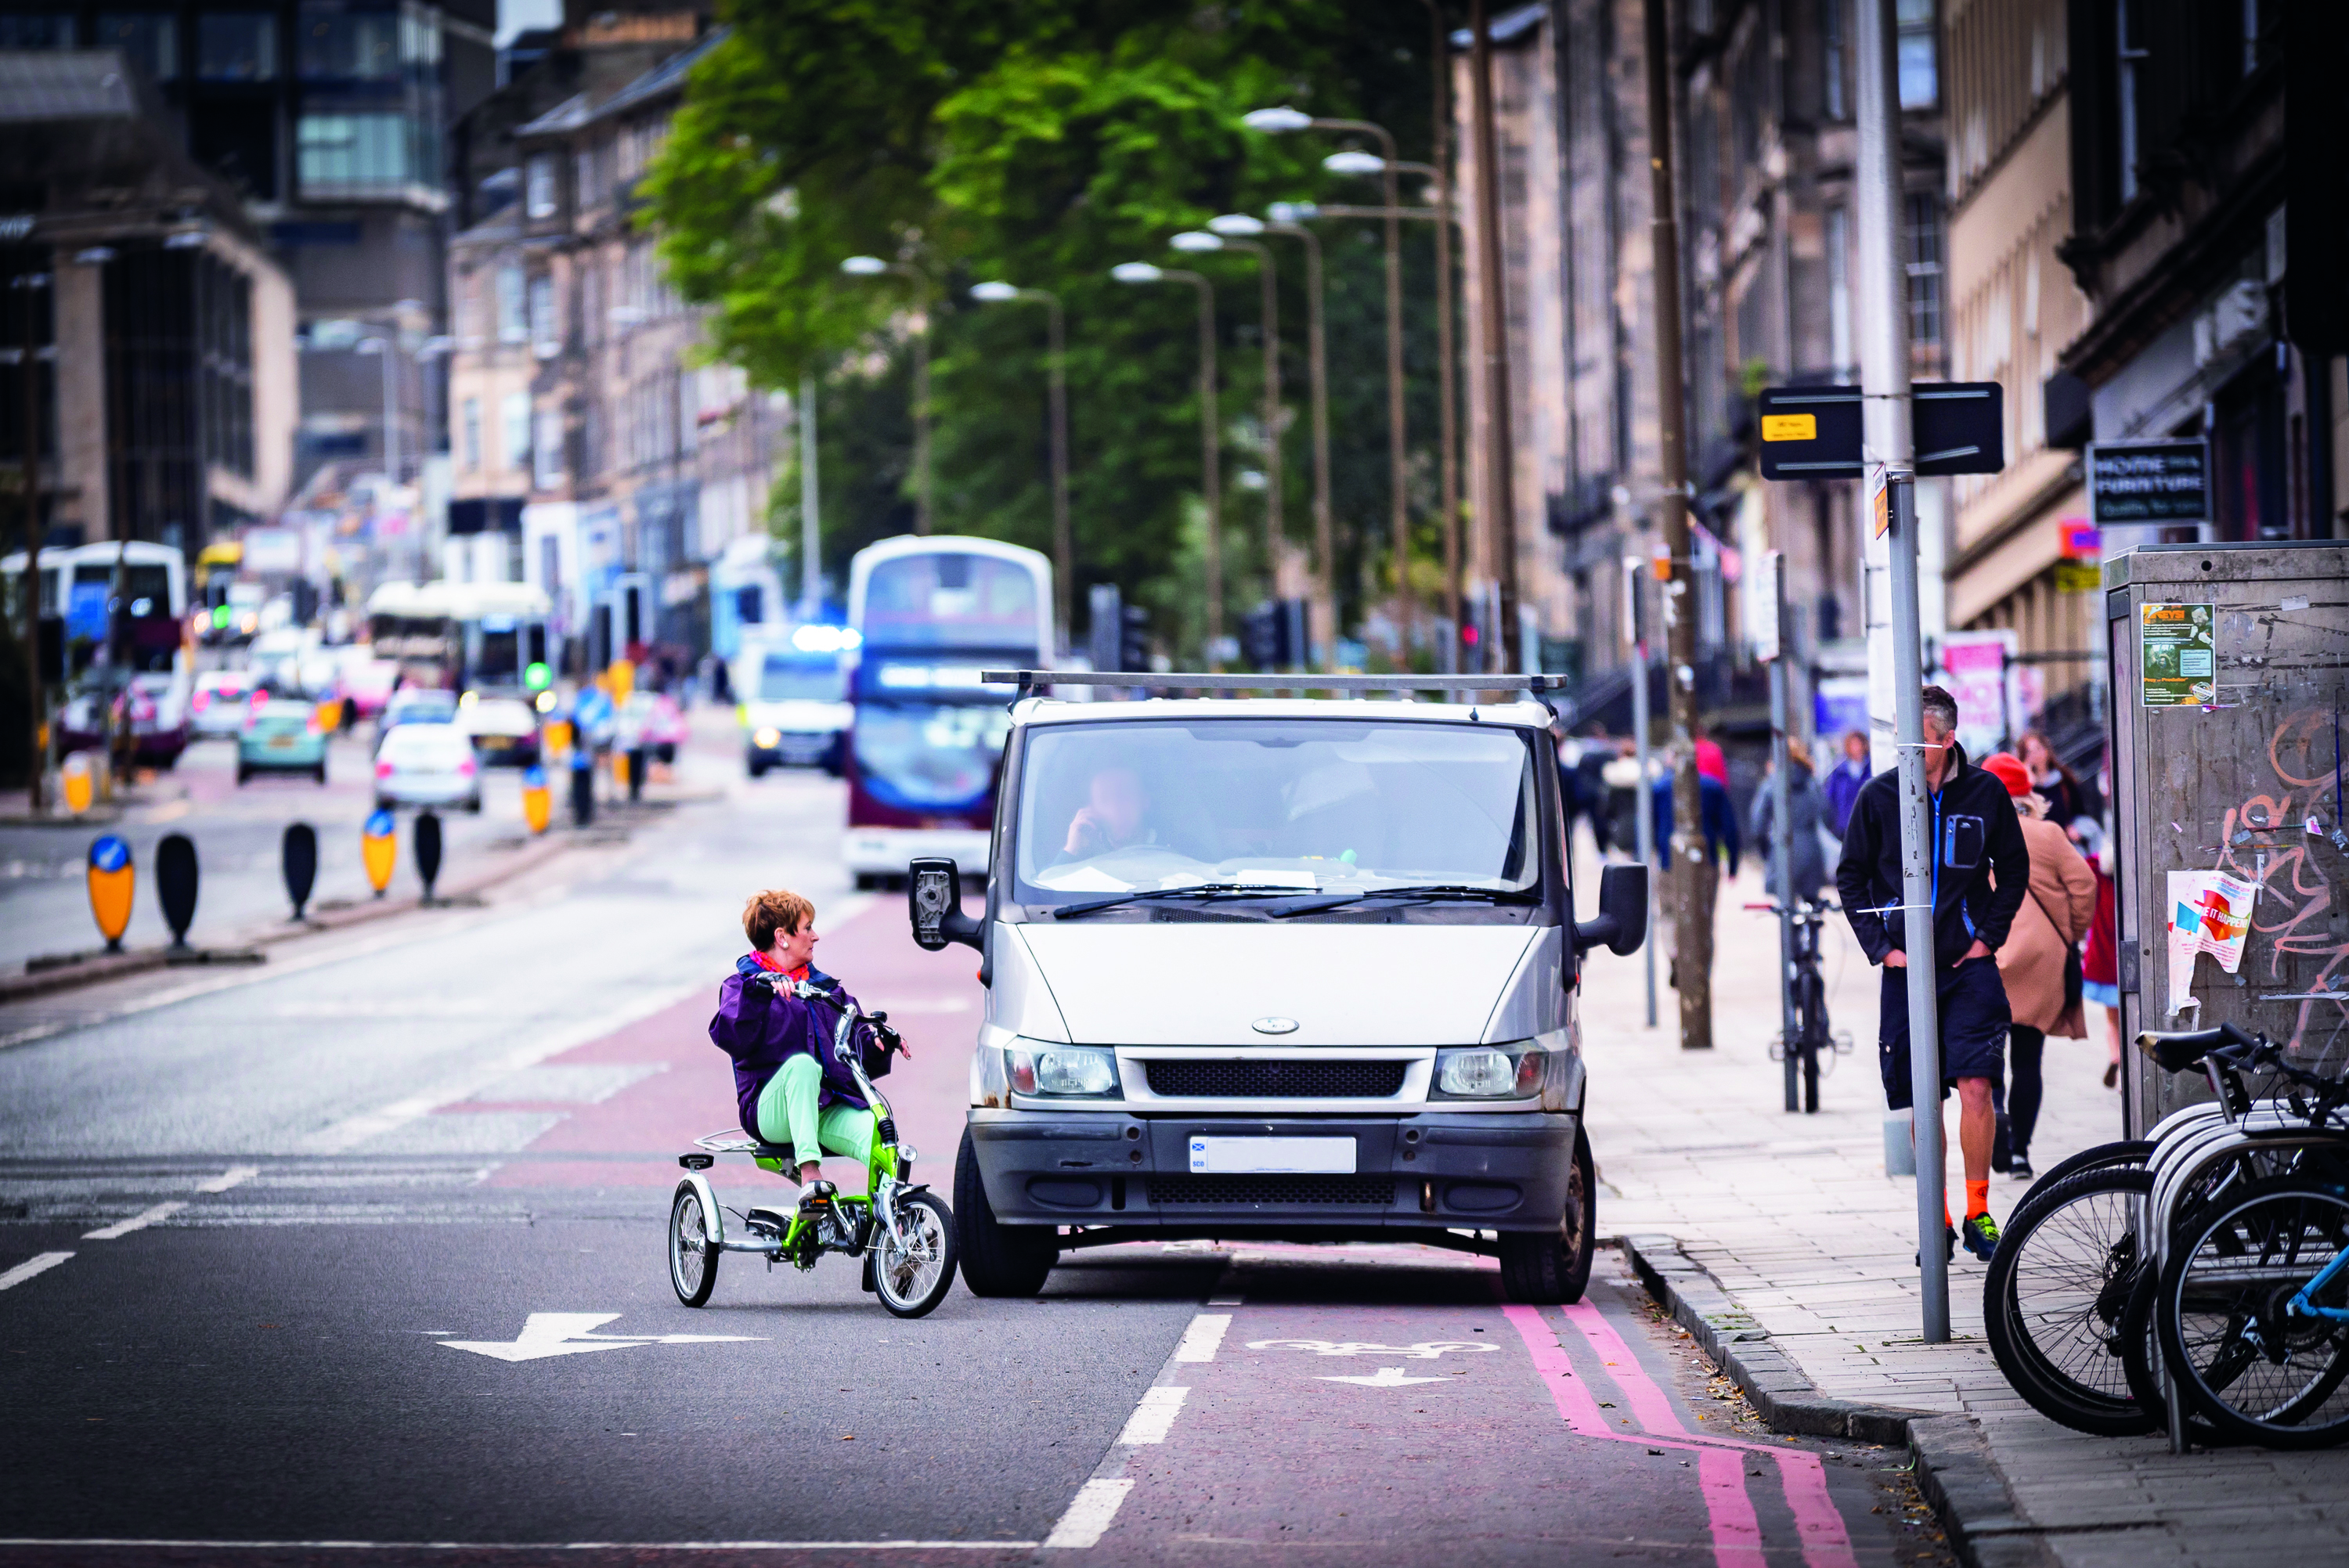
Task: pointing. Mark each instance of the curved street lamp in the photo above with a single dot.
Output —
(1210, 457)
(1318, 373)
(1063, 546)
(873, 267)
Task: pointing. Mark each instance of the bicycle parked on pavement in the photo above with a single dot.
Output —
(904, 1232)
(1814, 1039)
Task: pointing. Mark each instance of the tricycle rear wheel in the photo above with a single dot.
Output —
(692, 1256)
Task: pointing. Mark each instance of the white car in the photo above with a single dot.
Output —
(222, 700)
(427, 765)
(503, 729)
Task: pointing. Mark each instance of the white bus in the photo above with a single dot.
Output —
(926, 743)
(463, 635)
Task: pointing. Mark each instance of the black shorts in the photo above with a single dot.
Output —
(1974, 1020)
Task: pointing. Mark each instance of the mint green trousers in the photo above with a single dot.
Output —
(789, 1100)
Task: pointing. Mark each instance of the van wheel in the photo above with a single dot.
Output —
(997, 1259)
(1542, 1268)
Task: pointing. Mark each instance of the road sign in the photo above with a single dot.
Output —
(379, 850)
(549, 1333)
(1810, 432)
(1958, 426)
(2148, 482)
(111, 879)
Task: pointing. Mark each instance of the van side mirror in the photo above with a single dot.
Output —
(934, 899)
(1621, 923)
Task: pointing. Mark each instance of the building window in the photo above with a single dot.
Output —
(1923, 247)
(1919, 73)
(542, 334)
(1840, 289)
(1831, 63)
(2132, 58)
(542, 186)
(515, 414)
(232, 46)
(149, 41)
(364, 154)
(350, 46)
(514, 323)
(46, 32)
(546, 451)
(471, 429)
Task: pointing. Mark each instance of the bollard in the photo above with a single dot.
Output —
(428, 852)
(622, 774)
(299, 855)
(79, 787)
(175, 885)
(379, 850)
(327, 716)
(638, 766)
(554, 739)
(537, 801)
(583, 789)
(622, 675)
(110, 886)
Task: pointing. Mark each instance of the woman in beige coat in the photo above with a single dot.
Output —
(2038, 953)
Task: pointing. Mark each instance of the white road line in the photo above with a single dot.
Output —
(234, 1176)
(514, 1546)
(1154, 1417)
(41, 1263)
(137, 1222)
(1206, 1333)
(1097, 1502)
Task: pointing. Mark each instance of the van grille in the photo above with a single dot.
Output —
(1277, 1079)
(1235, 1191)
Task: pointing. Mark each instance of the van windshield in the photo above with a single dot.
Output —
(1321, 804)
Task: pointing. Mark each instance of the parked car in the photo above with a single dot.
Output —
(222, 702)
(420, 705)
(653, 720)
(427, 765)
(282, 736)
(503, 729)
(147, 704)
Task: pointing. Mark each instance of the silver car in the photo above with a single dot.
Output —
(427, 765)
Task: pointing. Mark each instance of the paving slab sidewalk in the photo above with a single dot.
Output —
(1784, 1245)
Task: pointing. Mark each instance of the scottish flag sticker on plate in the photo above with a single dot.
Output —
(1242, 1156)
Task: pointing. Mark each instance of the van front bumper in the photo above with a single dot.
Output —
(1504, 1170)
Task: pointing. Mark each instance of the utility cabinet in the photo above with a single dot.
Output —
(2227, 755)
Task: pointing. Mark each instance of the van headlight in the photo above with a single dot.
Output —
(767, 739)
(1488, 1072)
(1062, 1071)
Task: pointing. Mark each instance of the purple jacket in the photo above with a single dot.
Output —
(762, 1038)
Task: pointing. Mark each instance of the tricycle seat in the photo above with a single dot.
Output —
(771, 1156)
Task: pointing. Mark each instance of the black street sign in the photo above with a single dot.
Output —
(2148, 482)
(1810, 433)
(1958, 426)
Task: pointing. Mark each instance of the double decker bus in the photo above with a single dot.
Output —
(464, 635)
(926, 744)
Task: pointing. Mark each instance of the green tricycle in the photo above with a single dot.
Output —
(903, 1230)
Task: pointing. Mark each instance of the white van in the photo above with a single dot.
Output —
(1269, 968)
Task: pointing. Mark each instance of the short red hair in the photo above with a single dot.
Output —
(770, 912)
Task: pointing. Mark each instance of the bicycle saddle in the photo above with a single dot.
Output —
(2177, 1050)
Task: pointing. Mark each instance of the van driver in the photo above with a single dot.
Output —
(1112, 817)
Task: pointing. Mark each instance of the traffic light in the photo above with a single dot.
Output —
(1272, 635)
(1134, 639)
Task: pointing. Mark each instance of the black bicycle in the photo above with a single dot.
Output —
(1813, 1038)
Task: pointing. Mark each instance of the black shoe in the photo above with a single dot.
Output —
(1949, 1239)
(2019, 1167)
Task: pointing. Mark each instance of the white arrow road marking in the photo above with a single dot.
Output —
(1386, 1377)
(1206, 1333)
(1095, 1505)
(1421, 1351)
(39, 1262)
(137, 1222)
(1155, 1417)
(234, 1176)
(569, 1334)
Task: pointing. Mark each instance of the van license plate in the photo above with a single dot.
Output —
(1321, 1156)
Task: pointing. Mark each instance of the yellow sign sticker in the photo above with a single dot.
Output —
(1790, 426)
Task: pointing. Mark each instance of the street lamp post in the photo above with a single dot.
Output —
(874, 266)
(382, 348)
(1284, 120)
(1064, 564)
(1210, 458)
(1195, 242)
(1239, 224)
(29, 586)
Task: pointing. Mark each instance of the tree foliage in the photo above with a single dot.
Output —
(1044, 143)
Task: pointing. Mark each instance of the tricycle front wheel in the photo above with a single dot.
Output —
(912, 1276)
(692, 1256)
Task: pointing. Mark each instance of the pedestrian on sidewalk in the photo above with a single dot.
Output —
(1625, 790)
(2039, 960)
(1975, 833)
(1843, 779)
(1805, 809)
(2072, 804)
(2100, 965)
(1718, 820)
(1589, 770)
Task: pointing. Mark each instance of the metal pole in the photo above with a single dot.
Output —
(810, 518)
(28, 588)
(1644, 811)
(1318, 378)
(922, 424)
(1064, 560)
(1691, 912)
(1276, 541)
(1211, 468)
(1782, 831)
(1440, 54)
(1499, 490)
(390, 420)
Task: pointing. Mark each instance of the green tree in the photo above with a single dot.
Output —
(1043, 144)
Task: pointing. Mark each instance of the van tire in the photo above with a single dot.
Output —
(997, 1260)
(1542, 1268)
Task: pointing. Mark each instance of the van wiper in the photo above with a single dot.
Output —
(1208, 890)
(1422, 893)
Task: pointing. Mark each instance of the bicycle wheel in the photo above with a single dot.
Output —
(2103, 1156)
(2053, 1298)
(1811, 1032)
(2141, 1359)
(692, 1256)
(912, 1269)
(2260, 1371)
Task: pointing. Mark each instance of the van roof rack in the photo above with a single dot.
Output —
(1028, 680)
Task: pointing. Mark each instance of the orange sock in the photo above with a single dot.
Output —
(1977, 1197)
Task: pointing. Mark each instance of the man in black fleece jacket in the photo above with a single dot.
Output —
(1974, 834)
